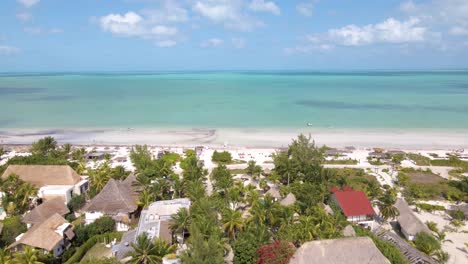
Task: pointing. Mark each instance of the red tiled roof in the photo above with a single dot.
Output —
(353, 203)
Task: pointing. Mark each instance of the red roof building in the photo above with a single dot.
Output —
(354, 205)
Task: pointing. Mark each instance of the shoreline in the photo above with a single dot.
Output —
(245, 137)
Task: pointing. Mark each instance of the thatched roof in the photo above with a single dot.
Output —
(46, 210)
(348, 231)
(290, 199)
(45, 235)
(341, 250)
(41, 175)
(408, 221)
(274, 191)
(116, 197)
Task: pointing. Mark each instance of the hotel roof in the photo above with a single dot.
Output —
(41, 175)
(353, 203)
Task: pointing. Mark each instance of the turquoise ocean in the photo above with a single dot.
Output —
(291, 99)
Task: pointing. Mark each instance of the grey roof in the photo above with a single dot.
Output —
(274, 191)
(46, 210)
(341, 250)
(125, 244)
(116, 197)
(290, 199)
(154, 219)
(348, 231)
(408, 221)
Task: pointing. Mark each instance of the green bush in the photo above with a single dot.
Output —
(100, 226)
(222, 157)
(12, 227)
(430, 207)
(76, 202)
(426, 243)
(457, 214)
(81, 251)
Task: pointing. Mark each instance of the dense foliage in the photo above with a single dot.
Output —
(277, 252)
(224, 157)
(12, 227)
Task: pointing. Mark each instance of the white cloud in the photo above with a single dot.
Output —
(166, 43)
(388, 31)
(8, 50)
(23, 16)
(132, 24)
(212, 43)
(309, 48)
(128, 24)
(229, 13)
(168, 12)
(238, 43)
(28, 3)
(459, 31)
(164, 30)
(306, 8)
(264, 6)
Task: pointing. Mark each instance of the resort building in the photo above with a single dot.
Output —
(52, 236)
(45, 210)
(290, 199)
(51, 180)
(155, 220)
(341, 250)
(355, 206)
(118, 199)
(274, 192)
(410, 225)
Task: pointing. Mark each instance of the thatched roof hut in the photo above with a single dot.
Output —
(290, 199)
(410, 225)
(46, 210)
(41, 175)
(341, 250)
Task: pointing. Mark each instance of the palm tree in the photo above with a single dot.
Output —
(180, 222)
(387, 205)
(5, 257)
(441, 256)
(147, 252)
(27, 190)
(253, 169)
(146, 198)
(29, 256)
(232, 222)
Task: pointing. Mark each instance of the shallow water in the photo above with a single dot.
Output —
(360, 100)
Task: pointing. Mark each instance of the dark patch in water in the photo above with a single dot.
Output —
(377, 106)
(11, 90)
(56, 98)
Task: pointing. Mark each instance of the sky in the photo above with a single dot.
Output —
(168, 35)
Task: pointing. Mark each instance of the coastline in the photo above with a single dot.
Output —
(245, 137)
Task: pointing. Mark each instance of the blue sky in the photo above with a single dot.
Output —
(158, 35)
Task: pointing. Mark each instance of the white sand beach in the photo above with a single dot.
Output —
(244, 137)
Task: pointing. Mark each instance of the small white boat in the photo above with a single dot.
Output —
(309, 124)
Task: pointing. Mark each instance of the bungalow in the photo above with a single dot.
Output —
(44, 211)
(155, 220)
(274, 192)
(410, 225)
(52, 236)
(118, 199)
(290, 199)
(51, 180)
(341, 250)
(355, 206)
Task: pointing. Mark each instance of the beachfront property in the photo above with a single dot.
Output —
(410, 225)
(52, 236)
(45, 210)
(51, 180)
(355, 206)
(341, 250)
(155, 220)
(118, 199)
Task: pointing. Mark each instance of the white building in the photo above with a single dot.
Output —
(51, 180)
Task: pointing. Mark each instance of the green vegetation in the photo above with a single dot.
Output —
(150, 252)
(17, 194)
(223, 157)
(98, 251)
(430, 207)
(277, 252)
(420, 160)
(253, 169)
(457, 215)
(386, 205)
(425, 185)
(79, 252)
(427, 243)
(342, 161)
(12, 227)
